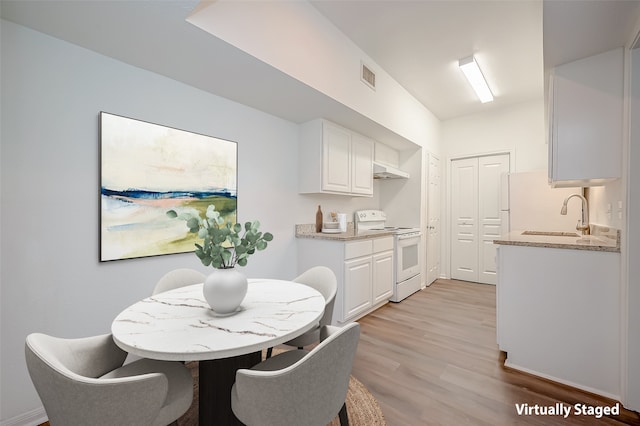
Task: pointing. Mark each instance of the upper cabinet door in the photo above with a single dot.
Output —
(361, 165)
(586, 119)
(336, 159)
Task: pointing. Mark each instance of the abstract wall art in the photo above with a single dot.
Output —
(147, 169)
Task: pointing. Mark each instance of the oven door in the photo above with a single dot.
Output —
(407, 255)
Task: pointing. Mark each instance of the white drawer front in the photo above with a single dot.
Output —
(358, 249)
(382, 244)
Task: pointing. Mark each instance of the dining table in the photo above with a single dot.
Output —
(179, 325)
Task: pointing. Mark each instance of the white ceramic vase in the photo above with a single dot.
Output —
(224, 290)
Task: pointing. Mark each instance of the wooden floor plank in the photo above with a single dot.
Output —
(433, 360)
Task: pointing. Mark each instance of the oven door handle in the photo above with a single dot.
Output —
(408, 236)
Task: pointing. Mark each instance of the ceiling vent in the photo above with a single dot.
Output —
(367, 76)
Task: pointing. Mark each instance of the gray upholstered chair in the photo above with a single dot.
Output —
(83, 382)
(178, 278)
(324, 280)
(299, 387)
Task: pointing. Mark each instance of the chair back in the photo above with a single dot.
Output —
(65, 373)
(324, 280)
(178, 278)
(311, 391)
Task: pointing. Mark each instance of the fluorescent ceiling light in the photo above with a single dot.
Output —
(471, 70)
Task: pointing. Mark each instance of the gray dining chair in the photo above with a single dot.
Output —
(84, 382)
(324, 280)
(178, 278)
(299, 386)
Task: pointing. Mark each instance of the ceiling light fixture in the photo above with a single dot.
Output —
(471, 70)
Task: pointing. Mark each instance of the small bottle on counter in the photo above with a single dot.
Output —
(319, 220)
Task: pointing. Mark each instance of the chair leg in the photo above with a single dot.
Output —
(269, 352)
(344, 419)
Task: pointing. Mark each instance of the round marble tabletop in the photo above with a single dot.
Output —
(179, 325)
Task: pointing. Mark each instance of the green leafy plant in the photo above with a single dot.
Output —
(224, 245)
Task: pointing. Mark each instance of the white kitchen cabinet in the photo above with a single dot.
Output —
(586, 120)
(362, 149)
(363, 268)
(558, 315)
(382, 280)
(334, 160)
(361, 291)
(357, 286)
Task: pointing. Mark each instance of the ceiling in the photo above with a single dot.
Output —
(417, 42)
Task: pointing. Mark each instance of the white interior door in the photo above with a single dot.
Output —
(433, 219)
(464, 219)
(475, 216)
(490, 170)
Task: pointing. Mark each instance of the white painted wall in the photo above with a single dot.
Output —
(631, 327)
(401, 198)
(297, 39)
(519, 128)
(604, 207)
(50, 277)
(307, 205)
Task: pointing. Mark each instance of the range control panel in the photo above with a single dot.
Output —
(370, 216)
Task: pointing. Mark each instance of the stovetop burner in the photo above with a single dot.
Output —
(374, 220)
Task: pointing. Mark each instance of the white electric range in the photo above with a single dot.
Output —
(407, 251)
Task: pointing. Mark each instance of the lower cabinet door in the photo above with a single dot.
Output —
(357, 286)
(382, 276)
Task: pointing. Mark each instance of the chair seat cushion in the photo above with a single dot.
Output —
(180, 393)
(311, 336)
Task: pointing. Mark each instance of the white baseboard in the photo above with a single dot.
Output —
(30, 418)
(564, 382)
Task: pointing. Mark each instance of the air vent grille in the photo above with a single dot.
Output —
(368, 76)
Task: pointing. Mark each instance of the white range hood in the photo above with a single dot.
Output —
(383, 171)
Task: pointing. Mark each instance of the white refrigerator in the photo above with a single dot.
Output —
(528, 203)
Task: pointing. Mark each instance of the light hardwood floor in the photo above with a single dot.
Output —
(433, 360)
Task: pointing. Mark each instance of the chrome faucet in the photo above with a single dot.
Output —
(584, 224)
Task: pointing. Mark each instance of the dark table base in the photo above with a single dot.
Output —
(217, 377)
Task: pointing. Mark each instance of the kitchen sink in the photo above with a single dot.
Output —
(551, 233)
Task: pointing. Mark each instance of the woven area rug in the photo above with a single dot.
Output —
(362, 407)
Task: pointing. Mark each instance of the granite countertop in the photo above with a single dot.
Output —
(601, 239)
(309, 231)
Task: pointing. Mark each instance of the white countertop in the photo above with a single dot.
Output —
(179, 325)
